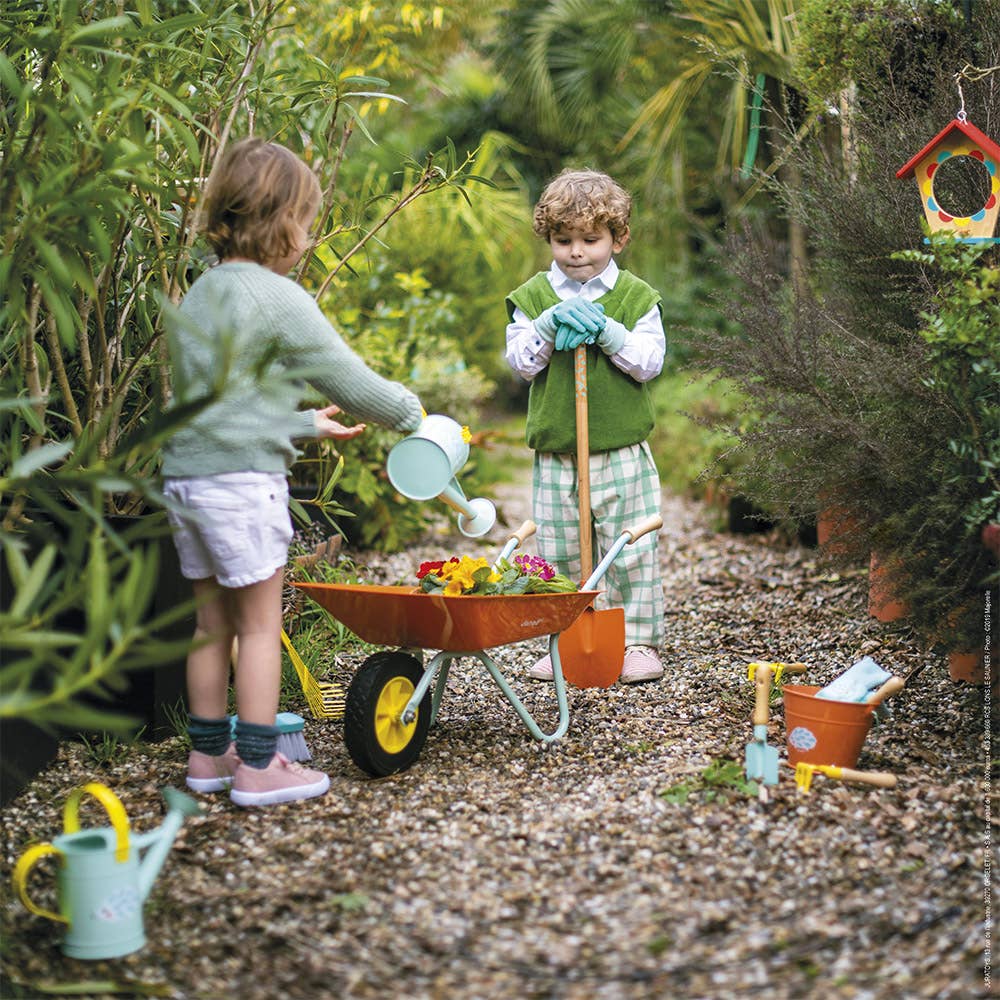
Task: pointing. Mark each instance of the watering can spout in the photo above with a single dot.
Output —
(158, 842)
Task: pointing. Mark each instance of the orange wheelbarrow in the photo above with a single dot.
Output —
(390, 702)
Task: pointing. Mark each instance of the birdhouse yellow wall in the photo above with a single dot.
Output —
(979, 225)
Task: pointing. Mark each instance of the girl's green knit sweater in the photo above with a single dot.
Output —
(253, 338)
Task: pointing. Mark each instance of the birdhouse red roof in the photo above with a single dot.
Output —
(981, 139)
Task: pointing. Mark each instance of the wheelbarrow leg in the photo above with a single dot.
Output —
(438, 667)
(524, 714)
(442, 669)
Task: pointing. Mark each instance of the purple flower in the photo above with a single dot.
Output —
(534, 566)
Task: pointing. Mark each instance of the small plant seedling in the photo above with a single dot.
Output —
(107, 749)
(350, 902)
(719, 780)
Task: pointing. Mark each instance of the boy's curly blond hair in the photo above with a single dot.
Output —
(584, 198)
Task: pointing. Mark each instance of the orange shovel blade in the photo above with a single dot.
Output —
(592, 649)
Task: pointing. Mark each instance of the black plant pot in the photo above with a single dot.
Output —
(25, 749)
(151, 694)
(148, 695)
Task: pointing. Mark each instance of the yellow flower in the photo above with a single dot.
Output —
(459, 575)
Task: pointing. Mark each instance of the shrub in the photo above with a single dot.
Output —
(111, 121)
(868, 381)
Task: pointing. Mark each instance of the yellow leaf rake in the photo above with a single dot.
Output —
(326, 699)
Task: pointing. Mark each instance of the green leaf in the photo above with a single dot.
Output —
(98, 31)
(51, 259)
(374, 93)
(36, 638)
(29, 588)
(360, 123)
(38, 458)
(9, 76)
(98, 605)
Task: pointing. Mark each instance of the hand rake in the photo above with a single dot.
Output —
(804, 775)
(326, 699)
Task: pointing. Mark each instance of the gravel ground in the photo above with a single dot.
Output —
(499, 867)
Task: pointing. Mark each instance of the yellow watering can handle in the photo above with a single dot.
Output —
(24, 864)
(113, 807)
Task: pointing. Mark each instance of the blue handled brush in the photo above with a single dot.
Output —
(291, 737)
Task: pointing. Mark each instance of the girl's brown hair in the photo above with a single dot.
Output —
(257, 193)
(585, 198)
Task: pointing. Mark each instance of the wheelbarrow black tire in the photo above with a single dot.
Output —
(375, 738)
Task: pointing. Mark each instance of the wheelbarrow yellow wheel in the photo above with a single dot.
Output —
(377, 739)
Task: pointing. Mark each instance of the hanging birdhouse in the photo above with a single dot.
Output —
(960, 138)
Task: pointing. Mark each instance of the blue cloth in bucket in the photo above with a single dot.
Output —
(856, 683)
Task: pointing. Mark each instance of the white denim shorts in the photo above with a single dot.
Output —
(235, 526)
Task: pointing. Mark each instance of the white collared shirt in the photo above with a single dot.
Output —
(641, 354)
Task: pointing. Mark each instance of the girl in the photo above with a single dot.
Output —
(244, 337)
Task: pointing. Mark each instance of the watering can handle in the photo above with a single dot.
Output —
(113, 807)
(20, 879)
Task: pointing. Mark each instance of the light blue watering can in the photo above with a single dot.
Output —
(102, 882)
(423, 466)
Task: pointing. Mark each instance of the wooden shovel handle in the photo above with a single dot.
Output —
(583, 461)
(887, 690)
(524, 532)
(652, 523)
(762, 695)
(881, 778)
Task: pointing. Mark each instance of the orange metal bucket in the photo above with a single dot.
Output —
(821, 731)
(406, 616)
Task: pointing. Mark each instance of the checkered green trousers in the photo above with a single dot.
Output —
(624, 489)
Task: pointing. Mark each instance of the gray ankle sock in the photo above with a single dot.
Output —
(256, 744)
(211, 736)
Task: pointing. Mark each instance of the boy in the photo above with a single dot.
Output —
(585, 298)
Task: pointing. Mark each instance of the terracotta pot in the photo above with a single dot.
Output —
(882, 601)
(991, 538)
(833, 526)
(967, 666)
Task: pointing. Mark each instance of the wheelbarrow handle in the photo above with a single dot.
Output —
(652, 523)
(519, 537)
(524, 532)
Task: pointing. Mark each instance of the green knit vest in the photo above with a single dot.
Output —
(620, 410)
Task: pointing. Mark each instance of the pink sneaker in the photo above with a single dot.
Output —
(642, 663)
(211, 774)
(280, 781)
(542, 670)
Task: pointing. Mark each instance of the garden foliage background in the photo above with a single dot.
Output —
(760, 141)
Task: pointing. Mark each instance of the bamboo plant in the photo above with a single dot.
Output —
(110, 122)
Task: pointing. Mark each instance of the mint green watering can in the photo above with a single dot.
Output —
(102, 881)
(424, 465)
